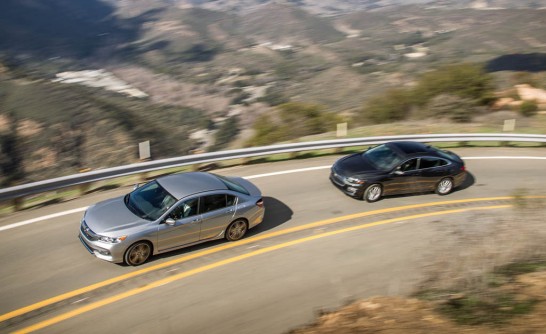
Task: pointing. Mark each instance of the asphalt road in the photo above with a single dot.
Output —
(263, 286)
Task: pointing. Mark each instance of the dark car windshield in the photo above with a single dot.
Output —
(382, 157)
(149, 201)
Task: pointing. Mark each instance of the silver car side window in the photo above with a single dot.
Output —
(185, 209)
(214, 202)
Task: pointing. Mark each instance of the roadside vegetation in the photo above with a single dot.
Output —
(485, 277)
(454, 92)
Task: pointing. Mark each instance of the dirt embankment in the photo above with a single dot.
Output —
(397, 315)
(485, 277)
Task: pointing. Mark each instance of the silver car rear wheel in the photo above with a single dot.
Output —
(236, 230)
(373, 193)
(138, 253)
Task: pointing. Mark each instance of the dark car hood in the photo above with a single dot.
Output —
(354, 164)
(110, 216)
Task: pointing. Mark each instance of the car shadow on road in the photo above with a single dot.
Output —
(276, 213)
(469, 181)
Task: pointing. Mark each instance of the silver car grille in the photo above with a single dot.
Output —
(89, 234)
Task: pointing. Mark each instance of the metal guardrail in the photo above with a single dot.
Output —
(21, 191)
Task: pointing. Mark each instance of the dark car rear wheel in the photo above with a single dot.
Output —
(445, 186)
(236, 230)
(138, 253)
(373, 193)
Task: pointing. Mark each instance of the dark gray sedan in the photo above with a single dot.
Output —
(398, 168)
(171, 212)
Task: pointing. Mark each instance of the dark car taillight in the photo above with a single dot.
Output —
(260, 203)
(463, 168)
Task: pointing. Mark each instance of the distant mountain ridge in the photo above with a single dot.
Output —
(336, 7)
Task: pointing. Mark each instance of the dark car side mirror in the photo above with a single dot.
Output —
(398, 172)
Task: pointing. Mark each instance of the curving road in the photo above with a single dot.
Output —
(316, 249)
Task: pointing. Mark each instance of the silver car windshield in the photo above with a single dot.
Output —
(149, 201)
(382, 157)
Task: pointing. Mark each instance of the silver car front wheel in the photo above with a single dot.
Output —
(138, 253)
(236, 230)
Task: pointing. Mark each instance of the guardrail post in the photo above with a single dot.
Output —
(83, 188)
(143, 177)
(17, 203)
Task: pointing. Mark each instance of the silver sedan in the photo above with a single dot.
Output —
(169, 213)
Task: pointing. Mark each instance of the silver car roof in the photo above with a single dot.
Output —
(186, 184)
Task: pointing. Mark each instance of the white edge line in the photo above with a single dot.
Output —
(504, 157)
(59, 214)
(34, 220)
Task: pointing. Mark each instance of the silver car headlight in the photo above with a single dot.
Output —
(111, 240)
(355, 180)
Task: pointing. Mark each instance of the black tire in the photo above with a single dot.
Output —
(373, 193)
(445, 186)
(138, 253)
(236, 230)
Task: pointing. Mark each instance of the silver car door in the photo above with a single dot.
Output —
(186, 228)
(217, 212)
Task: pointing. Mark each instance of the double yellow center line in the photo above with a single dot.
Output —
(201, 269)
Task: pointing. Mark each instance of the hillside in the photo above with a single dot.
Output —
(200, 63)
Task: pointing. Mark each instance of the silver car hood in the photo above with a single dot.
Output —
(112, 216)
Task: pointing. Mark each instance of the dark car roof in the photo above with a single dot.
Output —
(410, 147)
(185, 184)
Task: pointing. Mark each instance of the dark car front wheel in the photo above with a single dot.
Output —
(445, 186)
(236, 230)
(373, 193)
(138, 253)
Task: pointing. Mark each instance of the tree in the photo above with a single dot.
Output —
(226, 133)
(11, 155)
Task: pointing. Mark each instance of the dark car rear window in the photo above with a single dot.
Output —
(445, 154)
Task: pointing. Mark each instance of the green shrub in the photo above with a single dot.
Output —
(295, 120)
(455, 108)
(464, 80)
(528, 108)
(392, 106)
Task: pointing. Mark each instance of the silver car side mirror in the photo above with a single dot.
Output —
(398, 172)
(170, 221)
